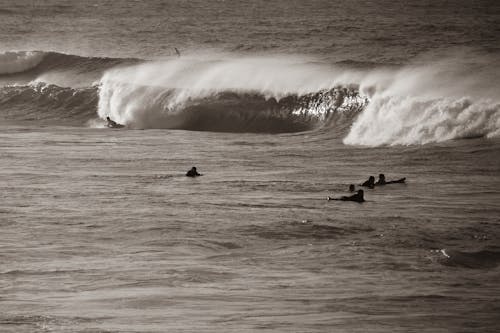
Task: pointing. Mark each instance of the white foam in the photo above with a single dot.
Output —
(413, 120)
(450, 99)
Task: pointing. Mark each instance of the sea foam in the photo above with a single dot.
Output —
(420, 104)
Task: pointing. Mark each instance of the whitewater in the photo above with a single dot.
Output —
(278, 104)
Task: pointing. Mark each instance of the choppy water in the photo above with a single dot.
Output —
(278, 104)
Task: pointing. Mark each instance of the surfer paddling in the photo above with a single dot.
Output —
(381, 180)
(370, 183)
(358, 197)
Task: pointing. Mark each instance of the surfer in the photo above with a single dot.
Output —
(112, 123)
(177, 52)
(193, 173)
(357, 197)
(381, 180)
(370, 183)
(352, 188)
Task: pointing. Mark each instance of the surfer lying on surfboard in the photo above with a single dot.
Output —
(358, 197)
(370, 183)
(381, 180)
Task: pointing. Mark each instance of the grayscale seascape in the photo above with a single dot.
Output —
(278, 104)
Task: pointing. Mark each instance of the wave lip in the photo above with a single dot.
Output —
(19, 61)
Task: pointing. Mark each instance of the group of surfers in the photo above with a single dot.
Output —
(370, 183)
(357, 197)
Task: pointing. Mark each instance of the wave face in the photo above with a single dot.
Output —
(233, 94)
(47, 103)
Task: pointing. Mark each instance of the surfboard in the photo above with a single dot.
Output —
(115, 126)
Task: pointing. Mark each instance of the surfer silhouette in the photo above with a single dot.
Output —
(352, 188)
(370, 183)
(381, 180)
(193, 173)
(357, 197)
(177, 52)
(112, 123)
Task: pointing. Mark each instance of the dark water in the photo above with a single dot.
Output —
(279, 105)
(367, 31)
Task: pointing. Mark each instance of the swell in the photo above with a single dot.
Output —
(32, 64)
(47, 103)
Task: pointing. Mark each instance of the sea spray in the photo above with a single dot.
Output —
(419, 104)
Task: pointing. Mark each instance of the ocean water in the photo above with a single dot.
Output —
(278, 104)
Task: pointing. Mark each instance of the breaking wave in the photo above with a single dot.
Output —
(234, 95)
(419, 104)
(424, 102)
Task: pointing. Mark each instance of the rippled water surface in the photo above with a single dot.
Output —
(101, 231)
(279, 104)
